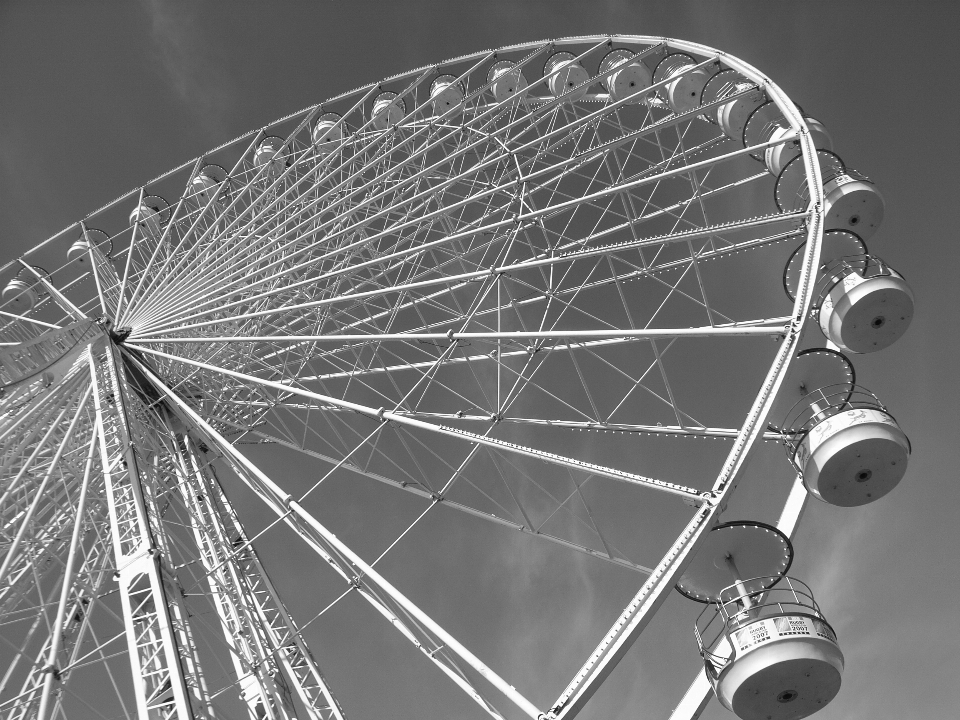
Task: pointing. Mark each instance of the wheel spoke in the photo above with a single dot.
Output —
(350, 565)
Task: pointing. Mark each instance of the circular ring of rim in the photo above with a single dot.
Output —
(762, 402)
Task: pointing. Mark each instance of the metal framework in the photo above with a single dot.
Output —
(440, 298)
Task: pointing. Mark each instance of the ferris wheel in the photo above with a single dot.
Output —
(565, 288)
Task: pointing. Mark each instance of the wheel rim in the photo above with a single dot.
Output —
(507, 277)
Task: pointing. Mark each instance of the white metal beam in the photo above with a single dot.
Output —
(464, 435)
(320, 538)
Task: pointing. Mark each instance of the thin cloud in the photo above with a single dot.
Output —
(20, 181)
(187, 63)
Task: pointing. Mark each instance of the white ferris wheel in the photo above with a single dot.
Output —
(518, 286)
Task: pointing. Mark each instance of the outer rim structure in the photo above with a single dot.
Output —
(662, 577)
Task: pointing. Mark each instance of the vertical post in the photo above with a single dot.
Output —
(282, 632)
(738, 581)
(262, 688)
(282, 636)
(162, 686)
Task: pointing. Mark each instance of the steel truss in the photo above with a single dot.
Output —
(440, 305)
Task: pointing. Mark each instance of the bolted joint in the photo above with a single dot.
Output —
(120, 334)
(709, 498)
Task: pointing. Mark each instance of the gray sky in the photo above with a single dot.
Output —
(98, 97)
